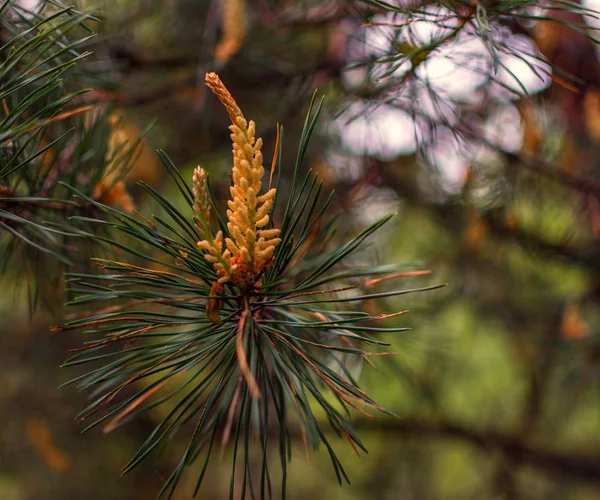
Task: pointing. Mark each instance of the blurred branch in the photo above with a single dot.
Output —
(580, 466)
(325, 70)
(451, 213)
(140, 98)
(134, 57)
(589, 258)
(569, 179)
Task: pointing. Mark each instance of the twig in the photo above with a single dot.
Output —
(582, 184)
(580, 466)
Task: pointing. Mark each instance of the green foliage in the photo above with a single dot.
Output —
(498, 383)
(50, 135)
(268, 361)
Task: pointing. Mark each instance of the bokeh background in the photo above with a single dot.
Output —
(485, 144)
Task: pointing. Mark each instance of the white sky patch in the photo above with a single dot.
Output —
(593, 20)
(354, 77)
(451, 165)
(30, 4)
(504, 128)
(458, 71)
(379, 37)
(593, 5)
(522, 70)
(379, 202)
(431, 24)
(444, 77)
(384, 133)
(345, 167)
(430, 109)
(26, 5)
(377, 43)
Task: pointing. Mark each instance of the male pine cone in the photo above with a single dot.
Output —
(251, 246)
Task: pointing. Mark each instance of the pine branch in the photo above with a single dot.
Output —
(238, 324)
(50, 135)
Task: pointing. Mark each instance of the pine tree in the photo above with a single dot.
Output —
(240, 306)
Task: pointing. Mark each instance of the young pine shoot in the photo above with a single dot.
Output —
(237, 328)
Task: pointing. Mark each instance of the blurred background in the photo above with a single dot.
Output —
(479, 125)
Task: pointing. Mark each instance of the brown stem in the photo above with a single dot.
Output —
(576, 465)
